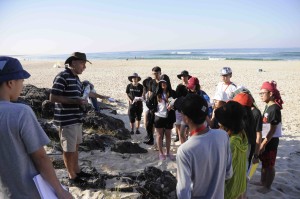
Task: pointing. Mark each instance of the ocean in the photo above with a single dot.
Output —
(260, 54)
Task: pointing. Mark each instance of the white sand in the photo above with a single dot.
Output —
(110, 78)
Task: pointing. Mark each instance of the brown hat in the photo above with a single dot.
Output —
(134, 75)
(77, 56)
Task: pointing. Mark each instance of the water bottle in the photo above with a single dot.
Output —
(86, 92)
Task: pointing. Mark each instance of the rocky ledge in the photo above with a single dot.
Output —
(101, 132)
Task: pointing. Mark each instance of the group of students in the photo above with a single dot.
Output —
(206, 156)
(220, 140)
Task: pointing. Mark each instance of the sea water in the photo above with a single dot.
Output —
(263, 54)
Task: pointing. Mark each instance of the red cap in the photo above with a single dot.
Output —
(193, 81)
(244, 99)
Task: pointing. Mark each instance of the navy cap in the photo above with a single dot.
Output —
(11, 69)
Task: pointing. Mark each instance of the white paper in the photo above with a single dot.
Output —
(111, 99)
(45, 189)
(265, 129)
(137, 99)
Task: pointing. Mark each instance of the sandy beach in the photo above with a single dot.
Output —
(110, 78)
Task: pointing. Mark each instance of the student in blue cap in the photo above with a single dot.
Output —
(22, 139)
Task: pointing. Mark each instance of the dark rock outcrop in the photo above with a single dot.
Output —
(153, 184)
(104, 124)
(38, 100)
(127, 147)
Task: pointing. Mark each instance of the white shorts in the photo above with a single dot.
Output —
(145, 108)
(179, 120)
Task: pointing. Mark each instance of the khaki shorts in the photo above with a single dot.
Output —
(70, 136)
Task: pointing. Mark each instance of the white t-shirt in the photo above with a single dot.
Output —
(228, 89)
(162, 110)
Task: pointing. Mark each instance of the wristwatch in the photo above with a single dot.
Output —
(255, 156)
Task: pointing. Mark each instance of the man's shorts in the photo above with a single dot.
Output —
(70, 136)
(268, 157)
(135, 112)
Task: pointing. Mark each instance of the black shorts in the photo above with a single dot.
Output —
(160, 122)
(135, 112)
(268, 157)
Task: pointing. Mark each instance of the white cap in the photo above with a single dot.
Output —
(221, 96)
(226, 71)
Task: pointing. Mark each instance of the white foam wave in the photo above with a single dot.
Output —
(181, 53)
(216, 58)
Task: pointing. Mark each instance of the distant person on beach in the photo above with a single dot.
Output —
(66, 92)
(164, 117)
(204, 160)
(230, 117)
(180, 89)
(226, 85)
(93, 95)
(134, 92)
(272, 130)
(152, 103)
(22, 140)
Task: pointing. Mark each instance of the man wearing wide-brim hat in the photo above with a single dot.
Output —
(76, 56)
(67, 92)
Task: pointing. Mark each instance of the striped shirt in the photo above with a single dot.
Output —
(68, 85)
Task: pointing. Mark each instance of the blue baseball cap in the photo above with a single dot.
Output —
(11, 69)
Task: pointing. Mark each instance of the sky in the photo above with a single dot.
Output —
(65, 26)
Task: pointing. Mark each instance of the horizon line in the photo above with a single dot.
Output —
(152, 50)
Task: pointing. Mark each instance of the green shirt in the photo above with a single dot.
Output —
(236, 185)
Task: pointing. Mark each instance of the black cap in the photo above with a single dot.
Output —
(193, 106)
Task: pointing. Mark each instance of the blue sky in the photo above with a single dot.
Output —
(56, 27)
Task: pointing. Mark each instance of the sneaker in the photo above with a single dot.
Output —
(137, 132)
(82, 174)
(77, 182)
(131, 132)
(162, 156)
(171, 157)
